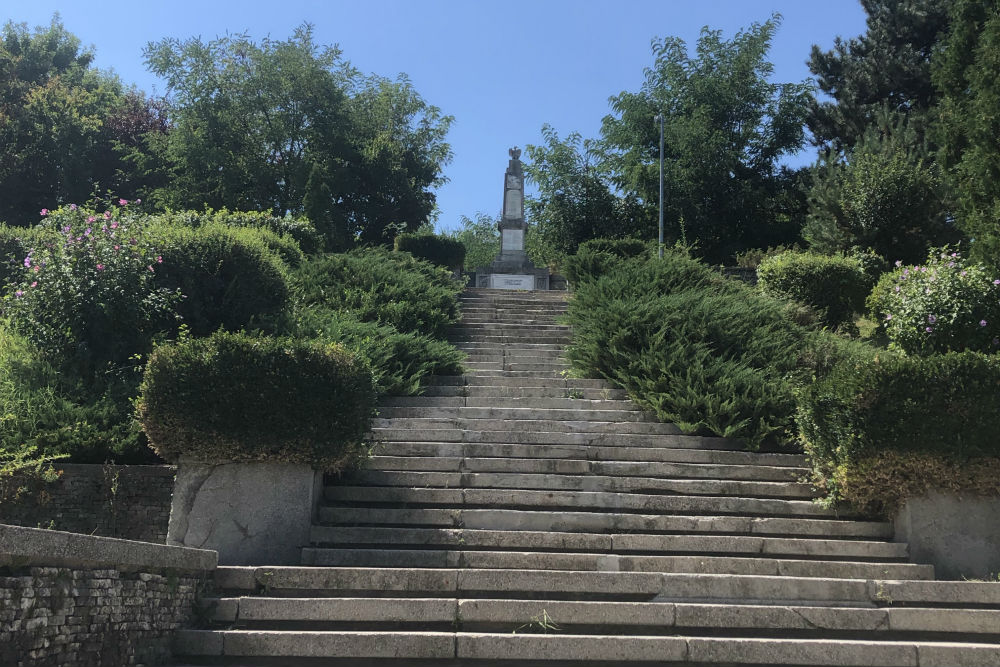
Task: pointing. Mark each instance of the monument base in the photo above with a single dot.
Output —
(536, 279)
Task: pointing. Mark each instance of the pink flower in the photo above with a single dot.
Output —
(928, 329)
(997, 281)
(888, 317)
(19, 293)
(44, 211)
(159, 259)
(982, 323)
(91, 218)
(150, 267)
(73, 207)
(107, 215)
(37, 268)
(138, 201)
(117, 247)
(34, 284)
(122, 202)
(100, 267)
(114, 225)
(899, 262)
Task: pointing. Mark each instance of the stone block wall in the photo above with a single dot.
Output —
(91, 617)
(128, 502)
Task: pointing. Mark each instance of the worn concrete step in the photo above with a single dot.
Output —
(582, 500)
(529, 420)
(460, 557)
(473, 381)
(585, 467)
(612, 617)
(468, 538)
(544, 369)
(528, 393)
(415, 433)
(571, 482)
(592, 453)
(529, 649)
(488, 318)
(507, 328)
(600, 522)
(501, 403)
(611, 585)
(532, 356)
(550, 338)
(575, 413)
(525, 347)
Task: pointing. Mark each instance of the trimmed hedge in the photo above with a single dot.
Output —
(439, 250)
(596, 257)
(834, 286)
(389, 288)
(235, 397)
(707, 353)
(308, 238)
(229, 279)
(400, 362)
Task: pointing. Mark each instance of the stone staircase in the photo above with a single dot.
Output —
(512, 516)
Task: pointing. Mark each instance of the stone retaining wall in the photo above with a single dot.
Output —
(68, 599)
(128, 502)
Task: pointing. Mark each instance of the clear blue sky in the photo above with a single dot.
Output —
(503, 69)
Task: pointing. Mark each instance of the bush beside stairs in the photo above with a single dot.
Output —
(516, 516)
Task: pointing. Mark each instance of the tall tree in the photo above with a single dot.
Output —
(886, 68)
(252, 119)
(726, 126)
(55, 146)
(968, 127)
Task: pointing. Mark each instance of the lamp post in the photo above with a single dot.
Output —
(659, 119)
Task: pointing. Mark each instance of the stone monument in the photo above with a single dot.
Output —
(512, 269)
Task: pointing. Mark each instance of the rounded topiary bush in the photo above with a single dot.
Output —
(440, 250)
(235, 397)
(834, 286)
(229, 279)
(947, 304)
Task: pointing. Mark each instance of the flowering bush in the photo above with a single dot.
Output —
(86, 294)
(947, 304)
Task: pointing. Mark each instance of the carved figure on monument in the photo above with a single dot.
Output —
(515, 153)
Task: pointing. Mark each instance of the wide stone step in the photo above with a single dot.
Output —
(585, 467)
(508, 327)
(528, 393)
(460, 557)
(521, 422)
(570, 482)
(601, 522)
(500, 403)
(626, 543)
(517, 346)
(576, 413)
(592, 453)
(526, 616)
(609, 585)
(550, 367)
(467, 647)
(488, 318)
(590, 500)
(499, 338)
(528, 356)
(414, 433)
(473, 381)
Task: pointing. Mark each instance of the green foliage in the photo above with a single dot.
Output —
(947, 304)
(439, 250)
(90, 296)
(967, 124)
(872, 402)
(884, 196)
(229, 278)
(15, 244)
(835, 287)
(752, 258)
(887, 68)
(481, 239)
(726, 127)
(388, 288)
(22, 468)
(235, 397)
(704, 352)
(400, 362)
(255, 121)
(596, 257)
(575, 202)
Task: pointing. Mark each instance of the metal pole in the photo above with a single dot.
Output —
(659, 118)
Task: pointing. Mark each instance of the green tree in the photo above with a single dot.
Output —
(481, 239)
(575, 201)
(965, 72)
(889, 67)
(55, 143)
(251, 120)
(726, 126)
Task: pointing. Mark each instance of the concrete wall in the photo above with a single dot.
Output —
(69, 599)
(958, 534)
(128, 502)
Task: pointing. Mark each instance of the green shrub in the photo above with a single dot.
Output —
(947, 304)
(235, 397)
(15, 243)
(309, 240)
(439, 250)
(596, 257)
(228, 278)
(834, 286)
(706, 353)
(89, 295)
(873, 402)
(400, 362)
(376, 285)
